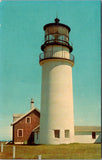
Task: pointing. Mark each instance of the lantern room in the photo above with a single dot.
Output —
(56, 33)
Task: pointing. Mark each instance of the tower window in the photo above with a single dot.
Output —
(67, 133)
(57, 133)
(93, 135)
(20, 133)
(28, 119)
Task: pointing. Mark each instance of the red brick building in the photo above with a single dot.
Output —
(24, 127)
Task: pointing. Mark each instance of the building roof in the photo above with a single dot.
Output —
(24, 115)
(36, 128)
(79, 128)
(87, 128)
(18, 114)
(56, 24)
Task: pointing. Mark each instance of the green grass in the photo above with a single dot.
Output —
(69, 151)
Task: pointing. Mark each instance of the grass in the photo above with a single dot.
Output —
(69, 151)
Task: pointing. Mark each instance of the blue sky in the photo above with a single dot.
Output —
(21, 35)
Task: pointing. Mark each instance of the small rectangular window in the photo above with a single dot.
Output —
(20, 133)
(93, 135)
(57, 133)
(28, 119)
(67, 134)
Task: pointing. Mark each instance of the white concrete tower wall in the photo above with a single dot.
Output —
(56, 120)
(56, 51)
(57, 102)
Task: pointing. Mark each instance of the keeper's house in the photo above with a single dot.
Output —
(24, 126)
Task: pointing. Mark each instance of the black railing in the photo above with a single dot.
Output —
(57, 41)
(51, 55)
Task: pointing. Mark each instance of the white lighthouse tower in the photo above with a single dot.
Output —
(56, 121)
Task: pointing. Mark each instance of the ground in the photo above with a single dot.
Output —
(69, 151)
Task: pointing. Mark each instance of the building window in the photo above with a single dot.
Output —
(57, 133)
(20, 133)
(67, 134)
(28, 119)
(93, 135)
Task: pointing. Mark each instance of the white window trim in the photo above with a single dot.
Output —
(26, 120)
(18, 132)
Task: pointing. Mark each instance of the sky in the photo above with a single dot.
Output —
(21, 36)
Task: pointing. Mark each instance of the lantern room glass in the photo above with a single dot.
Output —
(56, 33)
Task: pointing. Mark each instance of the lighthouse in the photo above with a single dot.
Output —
(57, 119)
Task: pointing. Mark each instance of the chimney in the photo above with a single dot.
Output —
(32, 103)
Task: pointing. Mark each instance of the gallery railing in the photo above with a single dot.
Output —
(50, 54)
